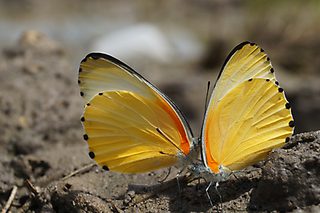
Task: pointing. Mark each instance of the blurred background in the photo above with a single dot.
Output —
(179, 45)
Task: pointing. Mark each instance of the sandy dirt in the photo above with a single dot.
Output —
(41, 143)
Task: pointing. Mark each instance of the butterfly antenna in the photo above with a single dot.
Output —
(206, 102)
(207, 96)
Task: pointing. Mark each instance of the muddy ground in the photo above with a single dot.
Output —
(41, 143)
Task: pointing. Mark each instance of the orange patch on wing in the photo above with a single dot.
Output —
(214, 166)
(184, 142)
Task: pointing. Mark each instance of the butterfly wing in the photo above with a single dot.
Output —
(247, 121)
(100, 72)
(130, 126)
(246, 61)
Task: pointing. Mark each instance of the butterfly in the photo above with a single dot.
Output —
(132, 127)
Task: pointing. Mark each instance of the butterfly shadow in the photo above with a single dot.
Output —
(186, 196)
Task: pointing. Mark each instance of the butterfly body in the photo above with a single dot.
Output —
(199, 170)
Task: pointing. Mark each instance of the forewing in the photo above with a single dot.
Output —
(250, 121)
(246, 61)
(99, 72)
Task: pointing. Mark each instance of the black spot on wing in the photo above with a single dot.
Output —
(288, 106)
(92, 155)
(287, 139)
(280, 89)
(85, 137)
(272, 70)
(267, 80)
(100, 93)
(277, 83)
(250, 79)
(105, 167)
(291, 124)
(82, 119)
(81, 94)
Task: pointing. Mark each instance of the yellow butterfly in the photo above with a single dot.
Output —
(132, 127)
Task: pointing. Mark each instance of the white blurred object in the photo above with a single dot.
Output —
(148, 41)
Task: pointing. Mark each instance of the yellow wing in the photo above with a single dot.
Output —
(99, 72)
(248, 114)
(246, 61)
(246, 125)
(130, 126)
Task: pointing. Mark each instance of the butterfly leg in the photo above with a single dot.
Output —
(216, 187)
(167, 175)
(178, 183)
(198, 185)
(207, 192)
(235, 176)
